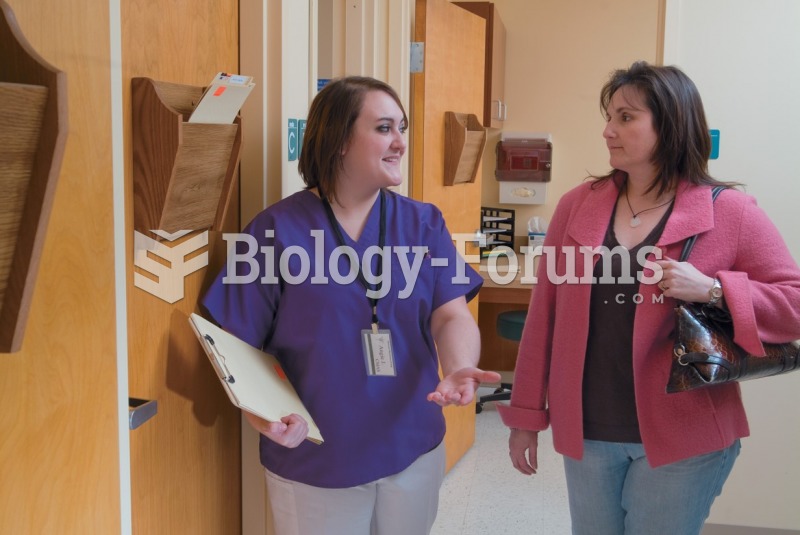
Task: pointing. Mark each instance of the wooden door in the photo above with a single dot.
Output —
(185, 461)
(452, 80)
(59, 448)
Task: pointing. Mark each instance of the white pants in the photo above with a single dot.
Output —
(402, 504)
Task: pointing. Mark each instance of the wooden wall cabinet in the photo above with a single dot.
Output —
(183, 173)
(495, 110)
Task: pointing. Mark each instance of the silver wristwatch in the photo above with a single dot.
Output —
(715, 293)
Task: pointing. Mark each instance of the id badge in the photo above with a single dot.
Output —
(378, 352)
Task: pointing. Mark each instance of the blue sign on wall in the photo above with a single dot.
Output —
(301, 131)
(293, 140)
(714, 144)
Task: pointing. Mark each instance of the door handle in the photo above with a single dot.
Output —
(140, 410)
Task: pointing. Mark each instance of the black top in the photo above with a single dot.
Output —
(609, 402)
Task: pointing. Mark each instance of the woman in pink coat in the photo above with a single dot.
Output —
(595, 353)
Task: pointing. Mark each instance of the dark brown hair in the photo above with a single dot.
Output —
(684, 143)
(329, 127)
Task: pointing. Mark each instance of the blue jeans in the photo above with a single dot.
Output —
(614, 491)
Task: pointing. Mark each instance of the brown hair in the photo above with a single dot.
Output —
(329, 127)
(684, 143)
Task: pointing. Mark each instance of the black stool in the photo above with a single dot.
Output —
(509, 326)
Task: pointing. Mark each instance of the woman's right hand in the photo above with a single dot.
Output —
(522, 448)
(291, 431)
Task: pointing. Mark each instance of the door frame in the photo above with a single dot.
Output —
(120, 264)
(270, 35)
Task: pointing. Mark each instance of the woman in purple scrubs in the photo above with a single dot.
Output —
(361, 295)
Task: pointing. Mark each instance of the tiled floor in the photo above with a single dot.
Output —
(483, 494)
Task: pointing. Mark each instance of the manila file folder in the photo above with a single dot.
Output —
(253, 379)
(222, 99)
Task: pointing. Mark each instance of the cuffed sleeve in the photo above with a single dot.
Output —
(519, 418)
(762, 288)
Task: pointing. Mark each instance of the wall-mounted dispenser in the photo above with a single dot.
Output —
(524, 162)
(524, 159)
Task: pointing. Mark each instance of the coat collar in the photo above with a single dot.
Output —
(692, 214)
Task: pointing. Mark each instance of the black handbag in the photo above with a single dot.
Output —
(704, 353)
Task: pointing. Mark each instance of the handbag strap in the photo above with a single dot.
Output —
(687, 247)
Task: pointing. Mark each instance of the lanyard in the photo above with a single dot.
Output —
(373, 301)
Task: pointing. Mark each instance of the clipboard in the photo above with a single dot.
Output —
(253, 379)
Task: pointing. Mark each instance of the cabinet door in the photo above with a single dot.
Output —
(494, 108)
(496, 71)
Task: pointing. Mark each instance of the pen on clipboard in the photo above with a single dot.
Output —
(226, 375)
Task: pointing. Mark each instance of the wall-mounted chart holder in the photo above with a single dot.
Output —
(497, 225)
(33, 114)
(464, 140)
(183, 173)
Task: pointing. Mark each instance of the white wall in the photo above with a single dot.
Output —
(368, 38)
(278, 48)
(559, 53)
(744, 57)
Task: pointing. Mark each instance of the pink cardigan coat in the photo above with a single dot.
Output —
(738, 244)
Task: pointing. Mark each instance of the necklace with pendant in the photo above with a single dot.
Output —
(635, 221)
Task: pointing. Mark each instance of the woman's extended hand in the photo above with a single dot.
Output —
(521, 442)
(459, 387)
(291, 431)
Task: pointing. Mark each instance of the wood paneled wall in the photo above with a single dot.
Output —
(58, 407)
(185, 462)
(59, 414)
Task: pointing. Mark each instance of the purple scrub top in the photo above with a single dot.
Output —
(373, 426)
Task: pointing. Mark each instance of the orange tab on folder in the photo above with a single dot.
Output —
(280, 372)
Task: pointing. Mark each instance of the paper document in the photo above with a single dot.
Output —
(223, 99)
(253, 379)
